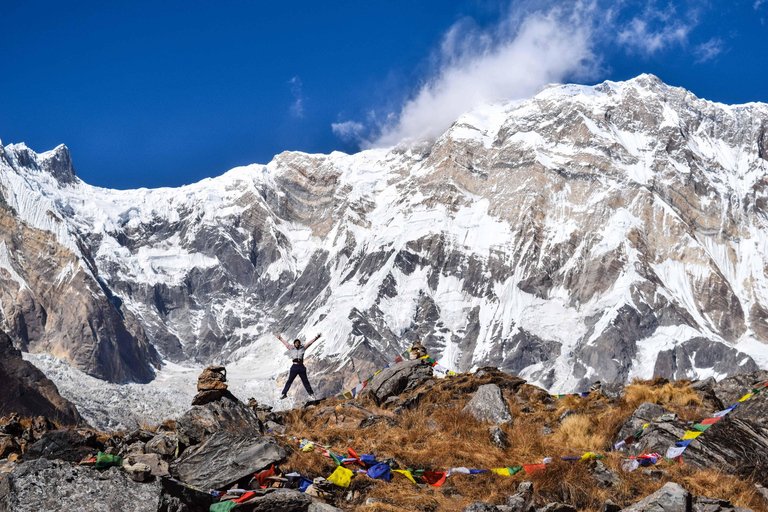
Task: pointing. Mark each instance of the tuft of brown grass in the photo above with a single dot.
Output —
(581, 431)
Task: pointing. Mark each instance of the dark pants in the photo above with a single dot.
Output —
(301, 371)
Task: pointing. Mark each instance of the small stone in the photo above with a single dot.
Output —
(546, 431)
(498, 437)
(566, 413)
(605, 476)
(558, 507)
(137, 447)
(138, 472)
(526, 409)
(655, 474)
(481, 506)
(432, 424)
(526, 489)
(276, 427)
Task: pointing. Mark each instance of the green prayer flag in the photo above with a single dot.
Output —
(514, 470)
(104, 460)
(700, 427)
(223, 506)
(335, 458)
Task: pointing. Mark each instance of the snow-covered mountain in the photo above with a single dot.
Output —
(588, 233)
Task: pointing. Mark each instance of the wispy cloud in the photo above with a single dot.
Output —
(509, 61)
(297, 107)
(656, 29)
(348, 130)
(709, 50)
(758, 3)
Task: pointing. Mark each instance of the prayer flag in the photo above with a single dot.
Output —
(406, 474)
(591, 455)
(690, 434)
(684, 443)
(630, 465)
(532, 468)
(515, 469)
(746, 397)
(710, 421)
(435, 478)
(461, 470)
(675, 451)
(700, 427)
(380, 471)
(501, 471)
(341, 476)
(246, 496)
(348, 395)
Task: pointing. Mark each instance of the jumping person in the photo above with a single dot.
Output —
(297, 354)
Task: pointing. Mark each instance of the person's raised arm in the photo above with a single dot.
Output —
(284, 342)
(312, 341)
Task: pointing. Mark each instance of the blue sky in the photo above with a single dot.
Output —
(167, 93)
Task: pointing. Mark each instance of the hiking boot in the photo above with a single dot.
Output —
(312, 397)
(283, 397)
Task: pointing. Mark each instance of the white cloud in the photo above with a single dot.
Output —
(509, 61)
(758, 3)
(642, 36)
(297, 107)
(348, 130)
(709, 50)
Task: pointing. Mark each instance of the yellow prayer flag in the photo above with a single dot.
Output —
(746, 397)
(589, 455)
(691, 434)
(308, 447)
(645, 426)
(406, 474)
(341, 476)
(501, 471)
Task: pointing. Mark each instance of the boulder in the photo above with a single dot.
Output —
(348, 415)
(398, 379)
(213, 377)
(227, 415)
(64, 444)
(225, 458)
(8, 445)
(647, 412)
(71, 488)
(728, 391)
(670, 498)
(606, 478)
(164, 444)
(138, 436)
(280, 500)
(488, 404)
(732, 445)
(157, 466)
(481, 506)
(558, 507)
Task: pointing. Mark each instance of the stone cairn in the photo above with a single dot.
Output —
(211, 385)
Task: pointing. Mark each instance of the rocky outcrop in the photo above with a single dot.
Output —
(729, 390)
(488, 404)
(398, 379)
(27, 391)
(64, 444)
(225, 458)
(227, 414)
(670, 498)
(647, 412)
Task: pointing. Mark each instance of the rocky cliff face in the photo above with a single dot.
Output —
(589, 233)
(27, 392)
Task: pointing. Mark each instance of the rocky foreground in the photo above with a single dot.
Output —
(474, 442)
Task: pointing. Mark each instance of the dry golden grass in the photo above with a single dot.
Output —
(437, 435)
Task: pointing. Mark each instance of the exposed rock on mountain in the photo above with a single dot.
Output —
(27, 392)
(588, 233)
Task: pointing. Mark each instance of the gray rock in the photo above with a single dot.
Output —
(282, 500)
(565, 414)
(317, 506)
(605, 476)
(645, 413)
(432, 424)
(375, 420)
(525, 489)
(157, 466)
(704, 385)
(137, 447)
(227, 415)
(481, 506)
(70, 488)
(225, 458)
(138, 472)
(545, 430)
(398, 379)
(488, 404)
(670, 498)
(558, 507)
(276, 427)
(64, 444)
(654, 474)
(729, 390)
(762, 491)
(139, 435)
(498, 437)
(164, 444)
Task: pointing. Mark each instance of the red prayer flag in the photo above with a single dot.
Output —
(711, 421)
(262, 477)
(245, 497)
(353, 453)
(399, 359)
(435, 478)
(532, 468)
